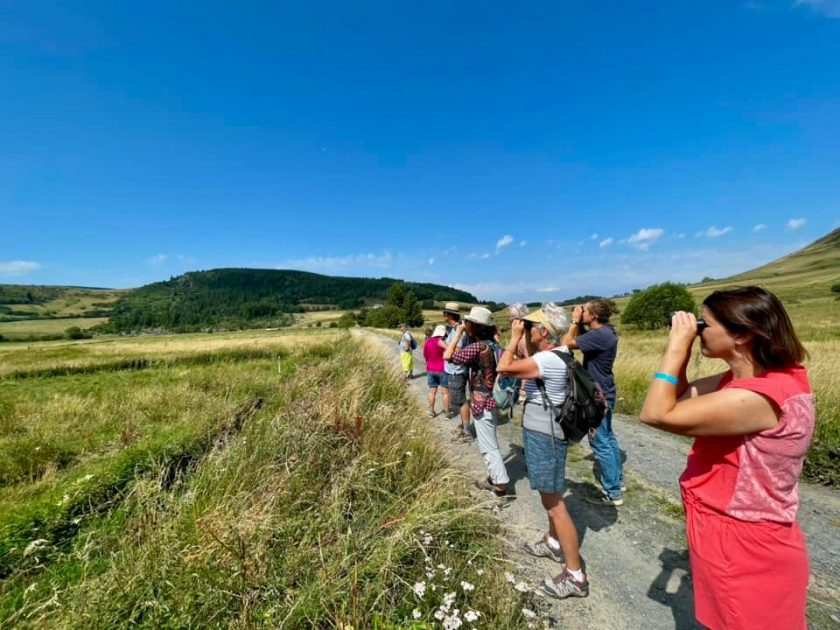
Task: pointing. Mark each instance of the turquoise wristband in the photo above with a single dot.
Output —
(667, 377)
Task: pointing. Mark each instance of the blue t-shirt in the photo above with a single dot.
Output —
(599, 347)
(451, 368)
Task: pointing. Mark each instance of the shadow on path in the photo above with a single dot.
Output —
(681, 601)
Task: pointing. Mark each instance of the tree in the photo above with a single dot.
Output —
(652, 307)
(835, 287)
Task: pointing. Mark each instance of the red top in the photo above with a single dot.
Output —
(433, 354)
(754, 477)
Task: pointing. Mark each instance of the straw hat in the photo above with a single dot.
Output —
(452, 307)
(439, 331)
(558, 322)
(480, 315)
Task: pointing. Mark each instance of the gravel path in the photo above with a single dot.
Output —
(635, 555)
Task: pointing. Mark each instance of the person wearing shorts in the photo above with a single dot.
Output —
(456, 375)
(436, 377)
(544, 442)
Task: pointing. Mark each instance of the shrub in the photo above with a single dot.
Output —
(74, 332)
(652, 307)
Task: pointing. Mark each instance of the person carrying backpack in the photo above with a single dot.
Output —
(407, 345)
(599, 346)
(544, 441)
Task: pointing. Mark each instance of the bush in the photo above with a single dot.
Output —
(835, 287)
(74, 332)
(652, 307)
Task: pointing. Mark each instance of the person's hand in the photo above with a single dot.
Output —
(462, 325)
(683, 332)
(577, 313)
(517, 328)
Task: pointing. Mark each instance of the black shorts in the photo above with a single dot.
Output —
(457, 390)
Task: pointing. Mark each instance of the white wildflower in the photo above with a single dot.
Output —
(449, 599)
(528, 613)
(34, 546)
(480, 571)
(510, 577)
(472, 615)
(447, 571)
(440, 614)
(408, 453)
(430, 574)
(419, 589)
(467, 586)
(452, 623)
(416, 614)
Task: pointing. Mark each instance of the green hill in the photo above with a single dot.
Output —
(805, 274)
(235, 298)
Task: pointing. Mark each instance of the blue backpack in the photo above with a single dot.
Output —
(506, 388)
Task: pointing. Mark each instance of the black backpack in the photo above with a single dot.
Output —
(585, 405)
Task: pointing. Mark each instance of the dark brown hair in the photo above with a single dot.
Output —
(480, 332)
(600, 310)
(743, 310)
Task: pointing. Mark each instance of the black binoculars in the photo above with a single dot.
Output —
(701, 323)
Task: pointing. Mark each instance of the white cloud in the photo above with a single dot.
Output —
(645, 237)
(18, 267)
(157, 260)
(523, 243)
(795, 224)
(475, 256)
(606, 243)
(380, 261)
(681, 235)
(549, 290)
(715, 232)
(432, 260)
(828, 8)
(760, 227)
(503, 242)
(594, 237)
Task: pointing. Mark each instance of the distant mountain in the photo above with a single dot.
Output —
(807, 273)
(235, 298)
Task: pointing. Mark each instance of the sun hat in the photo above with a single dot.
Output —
(439, 331)
(452, 307)
(480, 315)
(552, 316)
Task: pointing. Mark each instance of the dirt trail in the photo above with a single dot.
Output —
(635, 555)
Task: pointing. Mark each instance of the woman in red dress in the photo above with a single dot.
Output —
(753, 425)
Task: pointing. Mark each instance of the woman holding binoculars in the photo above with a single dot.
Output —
(752, 426)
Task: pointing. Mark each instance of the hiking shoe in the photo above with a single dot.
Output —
(464, 438)
(604, 500)
(487, 484)
(565, 585)
(541, 549)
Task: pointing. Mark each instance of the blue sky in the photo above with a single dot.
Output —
(520, 152)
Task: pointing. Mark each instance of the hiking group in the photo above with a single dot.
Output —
(753, 425)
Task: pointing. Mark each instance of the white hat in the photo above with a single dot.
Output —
(440, 331)
(452, 307)
(480, 315)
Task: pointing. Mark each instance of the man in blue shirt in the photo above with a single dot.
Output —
(599, 346)
(456, 374)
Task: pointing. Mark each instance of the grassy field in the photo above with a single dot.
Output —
(274, 479)
(73, 302)
(28, 327)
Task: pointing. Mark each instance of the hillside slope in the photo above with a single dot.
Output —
(237, 297)
(804, 274)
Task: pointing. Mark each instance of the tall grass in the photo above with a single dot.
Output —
(327, 507)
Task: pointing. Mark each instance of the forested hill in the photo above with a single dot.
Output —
(235, 298)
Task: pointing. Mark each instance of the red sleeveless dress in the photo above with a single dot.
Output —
(748, 557)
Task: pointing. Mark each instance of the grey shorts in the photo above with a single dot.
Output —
(457, 390)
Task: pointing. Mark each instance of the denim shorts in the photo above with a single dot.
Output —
(457, 390)
(546, 465)
(435, 379)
